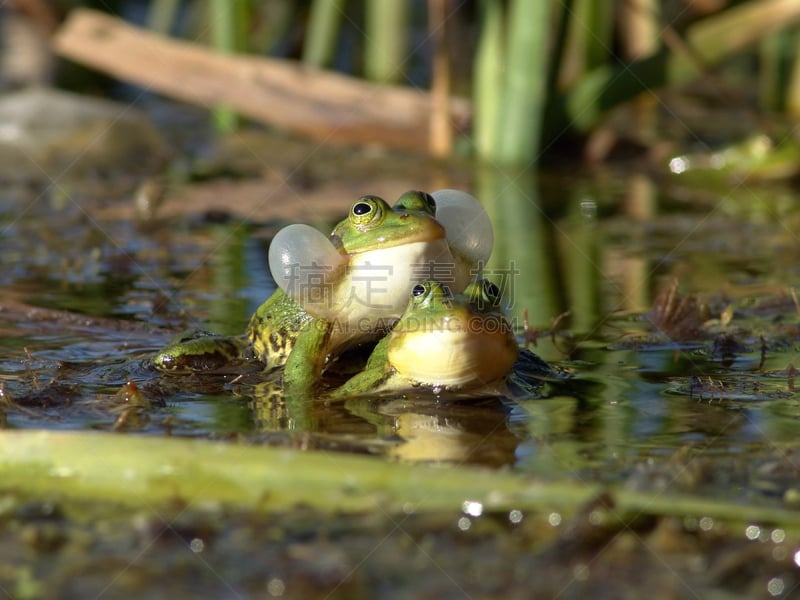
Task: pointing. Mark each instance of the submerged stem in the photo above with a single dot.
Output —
(146, 471)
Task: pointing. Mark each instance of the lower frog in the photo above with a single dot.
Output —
(301, 327)
(460, 344)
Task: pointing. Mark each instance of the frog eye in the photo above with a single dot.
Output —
(469, 230)
(430, 202)
(416, 201)
(491, 291)
(419, 290)
(367, 211)
(304, 263)
(361, 208)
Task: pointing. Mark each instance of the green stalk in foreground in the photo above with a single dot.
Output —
(149, 472)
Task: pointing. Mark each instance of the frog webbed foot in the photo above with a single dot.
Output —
(529, 375)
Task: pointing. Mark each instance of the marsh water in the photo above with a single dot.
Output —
(672, 308)
(580, 258)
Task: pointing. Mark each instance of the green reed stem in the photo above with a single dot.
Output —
(524, 93)
(791, 97)
(324, 22)
(228, 35)
(772, 71)
(707, 42)
(510, 81)
(589, 27)
(487, 82)
(385, 44)
(161, 15)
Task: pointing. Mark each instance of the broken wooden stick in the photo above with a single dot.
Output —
(322, 105)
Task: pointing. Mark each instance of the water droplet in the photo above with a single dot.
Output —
(515, 516)
(778, 535)
(775, 586)
(678, 164)
(276, 587)
(197, 545)
(62, 472)
(554, 519)
(588, 209)
(706, 523)
(580, 572)
(752, 532)
(472, 508)
(596, 517)
(464, 523)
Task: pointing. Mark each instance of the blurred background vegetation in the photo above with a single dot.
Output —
(546, 78)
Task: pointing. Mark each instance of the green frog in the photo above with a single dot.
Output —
(459, 344)
(339, 291)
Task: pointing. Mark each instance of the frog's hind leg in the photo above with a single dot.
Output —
(203, 352)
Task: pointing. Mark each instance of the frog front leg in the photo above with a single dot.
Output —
(306, 361)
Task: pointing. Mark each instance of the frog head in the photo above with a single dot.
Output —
(363, 272)
(451, 341)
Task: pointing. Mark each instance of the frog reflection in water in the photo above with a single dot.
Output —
(349, 288)
(455, 344)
